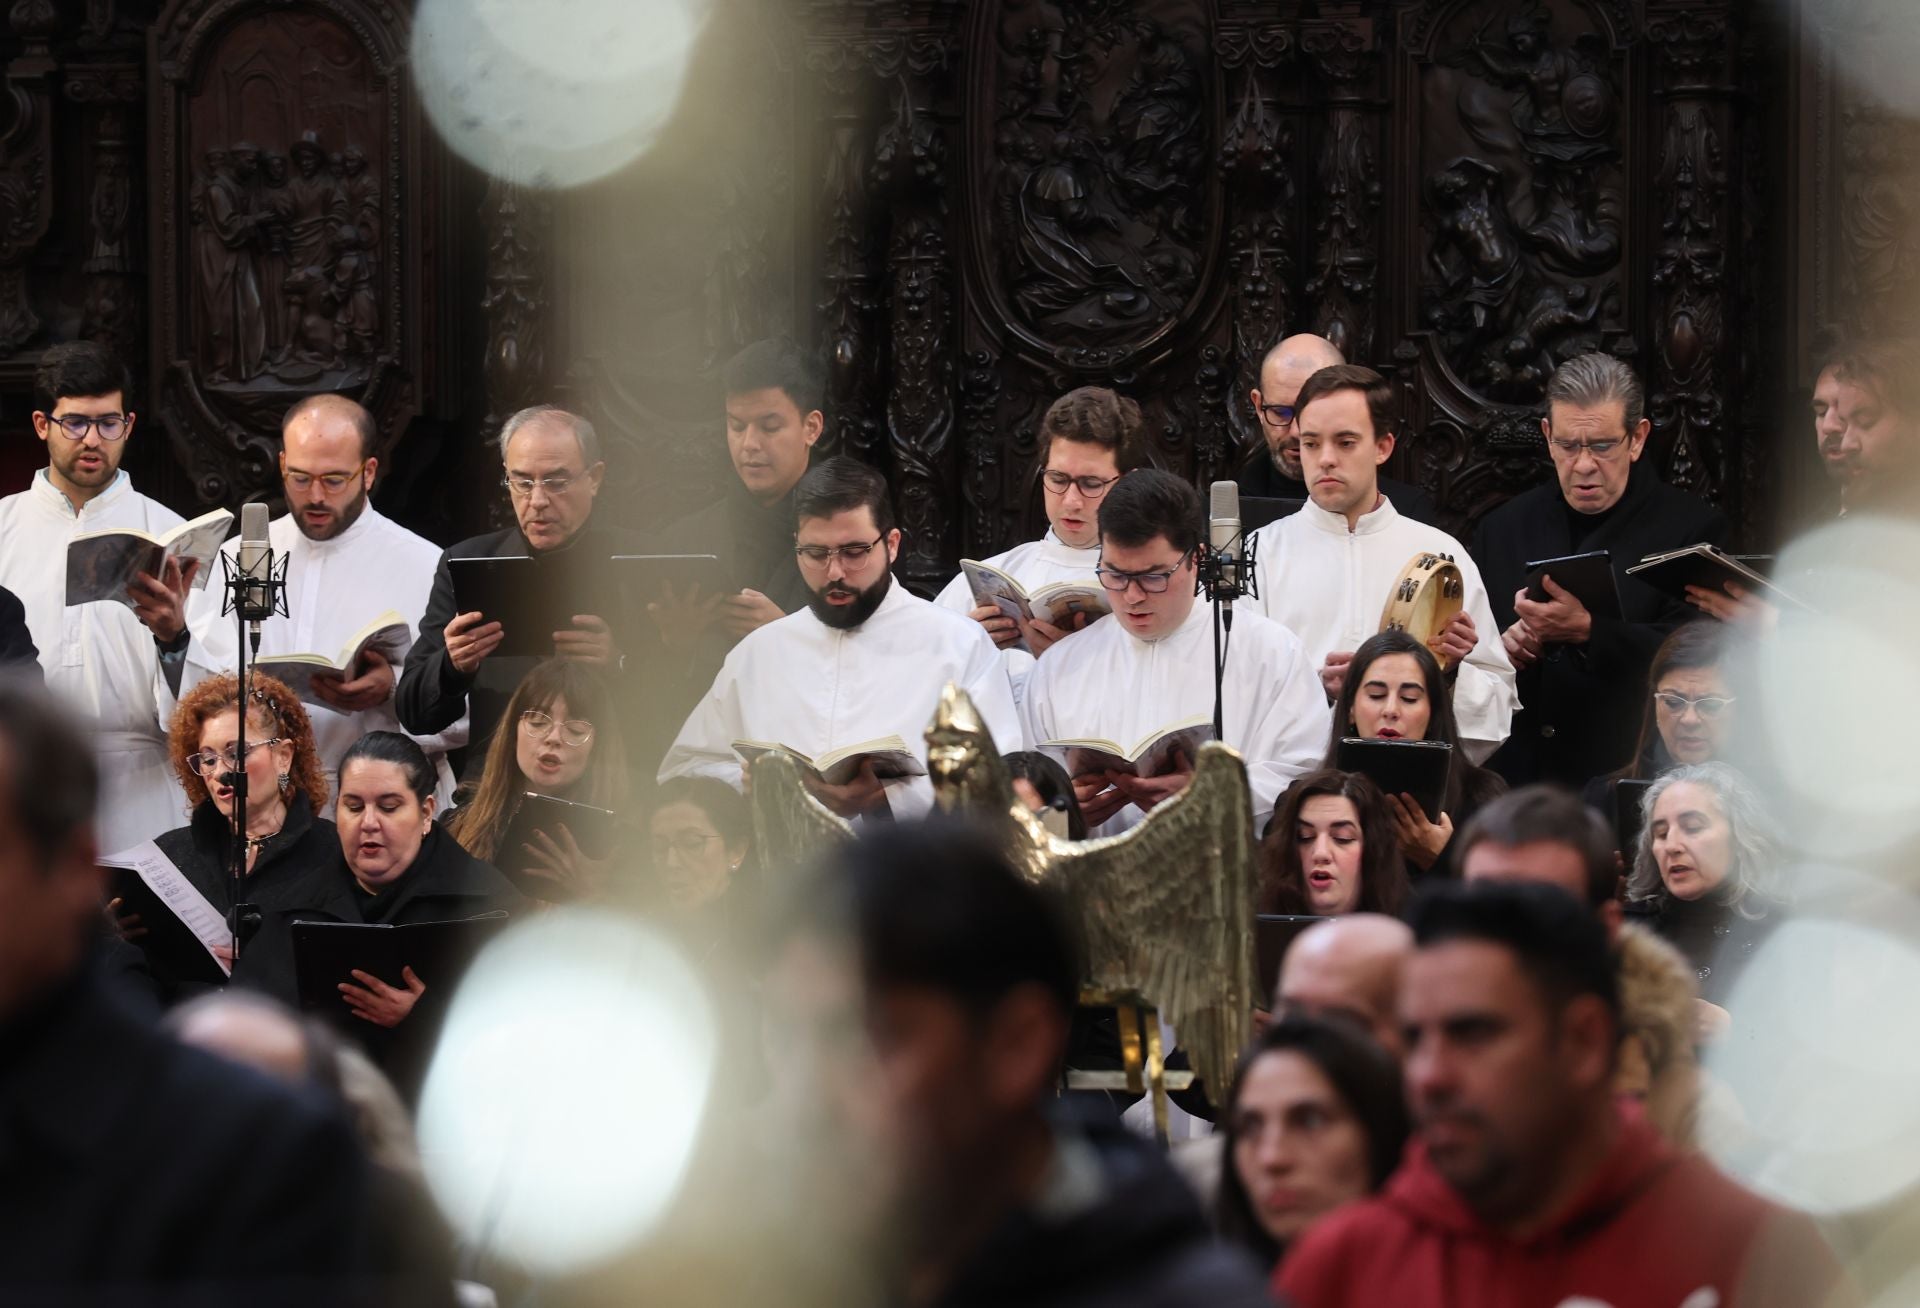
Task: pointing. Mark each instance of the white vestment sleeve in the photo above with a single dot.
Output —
(988, 683)
(1484, 695)
(1289, 732)
(704, 747)
(956, 595)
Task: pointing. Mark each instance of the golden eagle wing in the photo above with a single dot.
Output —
(788, 822)
(1167, 911)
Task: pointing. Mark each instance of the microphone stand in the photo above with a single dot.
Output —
(251, 599)
(1224, 579)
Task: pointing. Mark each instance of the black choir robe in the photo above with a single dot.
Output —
(443, 884)
(1581, 706)
(294, 878)
(138, 1170)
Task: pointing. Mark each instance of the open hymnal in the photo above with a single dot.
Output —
(388, 633)
(182, 930)
(1710, 568)
(1151, 757)
(1053, 603)
(102, 564)
(890, 757)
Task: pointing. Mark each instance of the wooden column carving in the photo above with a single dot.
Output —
(1342, 49)
(1694, 246)
(26, 191)
(113, 312)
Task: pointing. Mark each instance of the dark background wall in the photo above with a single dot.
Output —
(968, 208)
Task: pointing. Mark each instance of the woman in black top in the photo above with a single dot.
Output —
(1704, 876)
(291, 850)
(400, 869)
(1395, 690)
(1689, 717)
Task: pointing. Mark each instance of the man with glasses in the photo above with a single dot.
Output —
(1088, 438)
(1150, 665)
(552, 471)
(866, 659)
(1581, 677)
(347, 563)
(1328, 571)
(1272, 469)
(103, 659)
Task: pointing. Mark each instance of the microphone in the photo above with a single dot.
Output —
(256, 568)
(1226, 542)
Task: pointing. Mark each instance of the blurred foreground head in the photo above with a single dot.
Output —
(50, 888)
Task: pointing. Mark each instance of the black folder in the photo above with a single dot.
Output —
(591, 828)
(1411, 767)
(326, 954)
(531, 598)
(1709, 568)
(170, 945)
(1588, 576)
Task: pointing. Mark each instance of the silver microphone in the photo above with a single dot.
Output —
(256, 565)
(1226, 538)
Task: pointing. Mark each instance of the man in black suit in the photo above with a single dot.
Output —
(134, 1169)
(1583, 679)
(553, 471)
(1272, 471)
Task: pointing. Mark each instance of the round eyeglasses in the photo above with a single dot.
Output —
(573, 731)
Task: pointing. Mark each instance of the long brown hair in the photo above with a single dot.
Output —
(1701, 644)
(1383, 869)
(275, 711)
(480, 822)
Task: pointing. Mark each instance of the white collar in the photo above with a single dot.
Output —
(897, 597)
(1199, 616)
(43, 487)
(1376, 519)
(361, 528)
(1055, 550)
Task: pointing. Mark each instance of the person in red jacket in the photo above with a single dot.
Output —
(1528, 1185)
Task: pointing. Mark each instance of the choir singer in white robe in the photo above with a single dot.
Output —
(1326, 571)
(864, 660)
(1150, 665)
(347, 563)
(1089, 437)
(102, 659)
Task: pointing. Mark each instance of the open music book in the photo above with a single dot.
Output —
(891, 758)
(182, 928)
(1052, 603)
(387, 633)
(1151, 757)
(1709, 567)
(102, 564)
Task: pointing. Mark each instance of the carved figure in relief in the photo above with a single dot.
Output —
(318, 206)
(231, 318)
(276, 209)
(112, 201)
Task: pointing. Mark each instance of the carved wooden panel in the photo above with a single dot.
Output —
(285, 140)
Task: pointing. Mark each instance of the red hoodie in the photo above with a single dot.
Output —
(1656, 1229)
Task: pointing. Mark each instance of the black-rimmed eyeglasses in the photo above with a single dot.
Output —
(1151, 583)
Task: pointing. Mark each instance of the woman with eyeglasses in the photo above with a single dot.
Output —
(1691, 712)
(699, 832)
(560, 737)
(291, 850)
(1394, 690)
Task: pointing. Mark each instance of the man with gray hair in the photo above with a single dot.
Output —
(1582, 676)
(553, 472)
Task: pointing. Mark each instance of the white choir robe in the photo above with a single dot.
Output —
(1107, 683)
(1330, 585)
(1035, 564)
(334, 588)
(98, 657)
(801, 683)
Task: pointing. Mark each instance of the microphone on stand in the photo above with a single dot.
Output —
(1226, 543)
(255, 601)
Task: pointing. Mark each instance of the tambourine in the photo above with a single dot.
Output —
(1424, 599)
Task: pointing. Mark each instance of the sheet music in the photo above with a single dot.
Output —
(177, 893)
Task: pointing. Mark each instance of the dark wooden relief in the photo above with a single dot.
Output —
(967, 207)
(285, 140)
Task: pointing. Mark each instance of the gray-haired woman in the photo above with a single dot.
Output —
(1706, 872)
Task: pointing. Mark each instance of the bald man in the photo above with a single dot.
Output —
(1272, 470)
(1349, 966)
(347, 563)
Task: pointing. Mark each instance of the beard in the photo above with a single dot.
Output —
(845, 617)
(70, 469)
(343, 517)
(1291, 471)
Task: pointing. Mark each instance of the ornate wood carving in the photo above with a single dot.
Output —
(285, 139)
(1344, 55)
(26, 147)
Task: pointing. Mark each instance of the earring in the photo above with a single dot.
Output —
(286, 782)
(735, 866)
